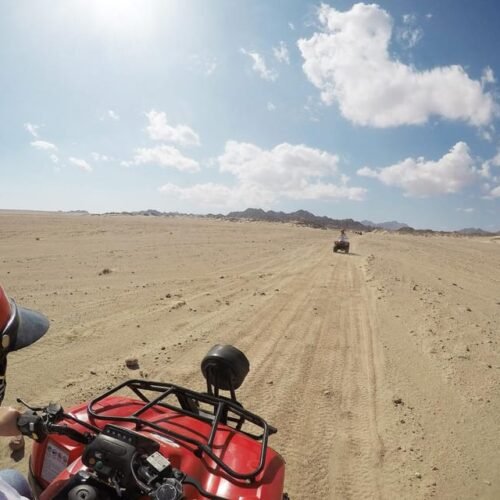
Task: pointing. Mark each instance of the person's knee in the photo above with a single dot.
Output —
(17, 481)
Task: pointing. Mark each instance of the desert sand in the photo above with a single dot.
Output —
(380, 369)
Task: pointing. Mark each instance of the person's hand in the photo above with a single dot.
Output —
(8, 421)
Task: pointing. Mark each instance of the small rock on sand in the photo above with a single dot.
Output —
(132, 363)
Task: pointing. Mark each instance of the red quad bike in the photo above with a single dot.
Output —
(165, 442)
(341, 245)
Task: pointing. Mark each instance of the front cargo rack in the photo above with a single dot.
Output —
(214, 410)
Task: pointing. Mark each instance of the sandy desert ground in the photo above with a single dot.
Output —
(381, 369)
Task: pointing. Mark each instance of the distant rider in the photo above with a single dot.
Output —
(343, 236)
(19, 328)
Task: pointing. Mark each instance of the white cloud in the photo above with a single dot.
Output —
(495, 161)
(291, 26)
(486, 168)
(489, 171)
(54, 158)
(164, 156)
(209, 194)
(488, 76)
(410, 34)
(350, 63)
(82, 164)
(466, 210)
(100, 157)
(271, 106)
(262, 177)
(281, 53)
(110, 115)
(284, 166)
(259, 66)
(206, 65)
(159, 130)
(421, 178)
(32, 129)
(44, 145)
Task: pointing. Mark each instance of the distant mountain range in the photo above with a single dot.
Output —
(306, 218)
(473, 230)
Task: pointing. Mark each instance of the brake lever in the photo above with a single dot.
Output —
(32, 408)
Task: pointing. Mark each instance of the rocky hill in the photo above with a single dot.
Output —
(300, 216)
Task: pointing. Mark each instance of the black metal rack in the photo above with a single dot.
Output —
(223, 412)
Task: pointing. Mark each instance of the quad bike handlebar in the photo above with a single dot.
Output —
(38, 422)
(120, 462)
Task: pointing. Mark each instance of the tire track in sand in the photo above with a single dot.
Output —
(314, 376)
(358, 458)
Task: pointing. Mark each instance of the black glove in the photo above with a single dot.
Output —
(32, 425)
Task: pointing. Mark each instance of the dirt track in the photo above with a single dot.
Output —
(334, 341)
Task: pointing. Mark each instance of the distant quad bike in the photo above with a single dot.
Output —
(165, 442)
(342, 246)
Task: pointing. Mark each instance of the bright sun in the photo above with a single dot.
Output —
(120, 18)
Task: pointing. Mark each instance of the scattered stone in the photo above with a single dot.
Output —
(326, 393)
(137, 326)
(435, 468)
(93, 372)
(418, 475)
(221, 277)
(168, 295)
(469, 309)
(403, 421)
(37, 238)
(398, 401)
(487, 482)
(132, 363)
(106, 270)
(178, 304)
(162, 348)
(270, 382)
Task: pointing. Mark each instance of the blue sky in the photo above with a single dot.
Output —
(371, 111)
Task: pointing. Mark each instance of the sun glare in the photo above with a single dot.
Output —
(120, 18)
